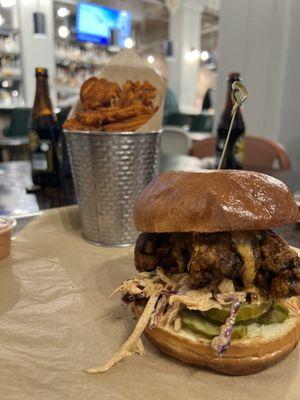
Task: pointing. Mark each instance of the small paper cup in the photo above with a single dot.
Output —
(6, 226)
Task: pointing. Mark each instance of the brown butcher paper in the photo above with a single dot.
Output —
(54, 323)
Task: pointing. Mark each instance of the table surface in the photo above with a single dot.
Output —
(13, 141)
(179, 162)
(16, 176)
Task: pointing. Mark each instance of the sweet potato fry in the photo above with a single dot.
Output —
(74, 125)
(129, 125)
(109, 107)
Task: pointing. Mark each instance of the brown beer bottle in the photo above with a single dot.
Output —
(44, 137)
(235, 149)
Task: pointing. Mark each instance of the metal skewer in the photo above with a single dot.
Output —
(239, 95)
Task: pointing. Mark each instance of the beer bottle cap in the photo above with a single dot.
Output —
(41, 72)
(233, 76)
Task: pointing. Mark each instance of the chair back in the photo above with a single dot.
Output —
(174, 141)
(62, 115)
(179, 119)
(265, 153)
(18, 122)
(260, 153)
(202, 123)
(204, 148)
(191, 122)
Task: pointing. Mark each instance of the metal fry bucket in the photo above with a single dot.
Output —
(109, 171)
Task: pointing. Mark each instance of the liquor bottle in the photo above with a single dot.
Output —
(235, 149)
(44, 136)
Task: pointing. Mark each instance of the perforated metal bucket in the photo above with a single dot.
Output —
(109, 171)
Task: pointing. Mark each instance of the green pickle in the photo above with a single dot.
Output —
(197, 323)
(276, 315)
(208, 323)
(247, 313)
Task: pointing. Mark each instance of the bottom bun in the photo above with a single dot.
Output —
(263, 347)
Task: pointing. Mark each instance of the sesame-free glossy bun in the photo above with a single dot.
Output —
(214, 201)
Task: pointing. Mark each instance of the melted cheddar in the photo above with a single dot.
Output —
(243, 247)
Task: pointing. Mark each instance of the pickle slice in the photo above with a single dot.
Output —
(276, 315)
(197, 323)
(194, 321)
(247, 312)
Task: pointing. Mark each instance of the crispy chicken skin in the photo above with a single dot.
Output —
(275, 252)
(208, 258)
(170, 251)
(213, 257)
(286, 283)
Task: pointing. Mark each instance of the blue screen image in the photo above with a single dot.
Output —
(94, 23)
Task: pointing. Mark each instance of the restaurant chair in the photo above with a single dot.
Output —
(260, 153)
(204, 148)
(19, 120)
(191, 122)
(174, 141)
(62, 115)
(179, 119)
(202, 123)
(263, 153)
(14, 143)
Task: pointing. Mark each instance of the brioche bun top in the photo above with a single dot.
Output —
(214, 201)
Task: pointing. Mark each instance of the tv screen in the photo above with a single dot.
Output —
(94, 23)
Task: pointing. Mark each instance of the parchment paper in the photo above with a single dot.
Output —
(128, 65)
(53, 323)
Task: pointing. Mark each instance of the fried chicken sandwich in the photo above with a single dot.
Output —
(216, 286)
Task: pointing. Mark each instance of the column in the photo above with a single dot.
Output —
(185, 33)
(36, 50)
(260, 39)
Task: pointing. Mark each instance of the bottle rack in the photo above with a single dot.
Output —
(75, 62)
(10, 69)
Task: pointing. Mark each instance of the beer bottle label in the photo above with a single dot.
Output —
(239, 149)
(41, 153)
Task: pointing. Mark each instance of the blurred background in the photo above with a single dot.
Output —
(192, 43)
(197, 46)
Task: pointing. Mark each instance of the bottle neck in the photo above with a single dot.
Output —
(228, 102)
(42, 105)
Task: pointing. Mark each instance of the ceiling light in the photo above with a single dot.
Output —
(204, 55)
(63, 31)
(5, 84)
(2, 19)
(63, 12)
(151, 59)
(15, 93)
(7, 3)
(129, 43)
(192, 55)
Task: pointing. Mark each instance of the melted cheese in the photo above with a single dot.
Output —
(243, 247)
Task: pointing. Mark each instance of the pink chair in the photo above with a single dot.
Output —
(260, 153)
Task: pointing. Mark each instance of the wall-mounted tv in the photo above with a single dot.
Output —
(94, 23)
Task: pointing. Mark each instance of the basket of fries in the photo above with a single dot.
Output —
(113, 143)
